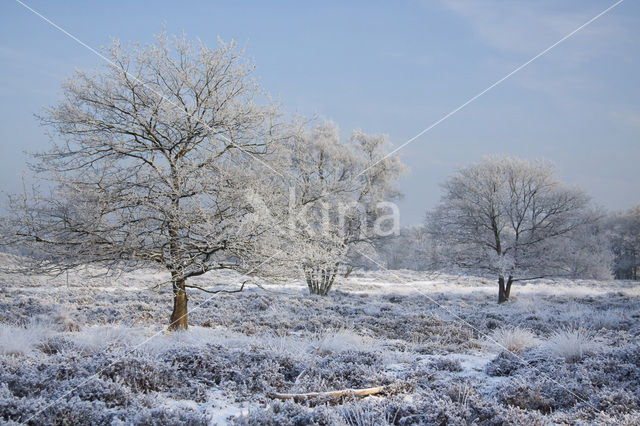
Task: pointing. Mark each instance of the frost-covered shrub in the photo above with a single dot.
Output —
(242, 371)
(73, 411)
(513, 339)
(628, 419)
(140, 373)
(447, 364)
(55, 344)
(349, 369)
(65, 321)
(112, 394)
(415, 409)
(572, 344)
(187, 416)
(43, 378)
(548, 389)
(11, 409)
(505, 364)
(367, 412)
(456, 403)
(427, 333)
(616, 401)
(291, 413)
(621, 366)
(522, 394)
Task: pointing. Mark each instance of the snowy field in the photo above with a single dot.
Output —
(82, 350)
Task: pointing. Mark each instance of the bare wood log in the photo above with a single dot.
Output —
(330, 394)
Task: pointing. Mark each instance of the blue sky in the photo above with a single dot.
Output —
(382, 67)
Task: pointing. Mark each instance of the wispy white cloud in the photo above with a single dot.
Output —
(528, 27)
(574, 74)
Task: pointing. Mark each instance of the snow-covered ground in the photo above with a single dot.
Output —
(83, 349)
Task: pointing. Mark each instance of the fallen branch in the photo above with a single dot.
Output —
(329, 394)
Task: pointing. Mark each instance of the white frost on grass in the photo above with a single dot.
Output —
(527, 303)
(572, 344)
(18, 340)
(513, 339)
(100, 337)
(348, 340)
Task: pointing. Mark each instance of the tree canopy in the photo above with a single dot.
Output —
(509, 217)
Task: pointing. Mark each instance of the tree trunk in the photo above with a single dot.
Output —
(507, 291)
(320, 280)
(178, 319)
(349, 271)
(501, 290)
(504, 291)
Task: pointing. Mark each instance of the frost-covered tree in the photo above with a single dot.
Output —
(340, 192)
(585, 252)
(509, 217)
(624, 238)
(157, 161)
(411, 249)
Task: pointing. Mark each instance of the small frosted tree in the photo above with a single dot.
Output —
(509, 217)
(340, 193)
(157, 162)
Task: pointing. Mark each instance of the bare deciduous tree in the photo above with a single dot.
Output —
(509, 217)
(156, 163)
(339, 199)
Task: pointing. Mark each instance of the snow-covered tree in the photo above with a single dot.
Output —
(158, 161)
(585, 252)
(411, 249)
(624, 237)
(509, 217)
(340, 193)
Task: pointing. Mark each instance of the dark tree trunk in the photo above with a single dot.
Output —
(349, 271)
(320, 280)
(507, 291)
(504, 290)
(501, 296)
(178, 319)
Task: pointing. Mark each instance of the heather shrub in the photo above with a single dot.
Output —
(505, 364)
(140, 373)
(349, 369)
(289, 413)
(187, 416)
(447, 364)
(240, 371)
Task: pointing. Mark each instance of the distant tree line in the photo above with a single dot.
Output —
(608, 248)
(623, 234)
